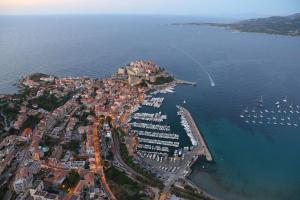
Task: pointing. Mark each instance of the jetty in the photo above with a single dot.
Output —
(201, 147)
(178, 81)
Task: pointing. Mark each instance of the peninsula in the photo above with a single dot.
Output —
(279, 25)
(82, 138)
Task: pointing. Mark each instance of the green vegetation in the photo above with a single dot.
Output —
(73, 145)
(48, 141)
(82, 117)
(189, 194)
(50, 102)
(124, 187)
(71, 180)
(10, 110)
(143, 84)
(87, 165)
(36, 76)
(151, 178)
(162, 80)
(30, 122)
(3, 191)
(26, 91)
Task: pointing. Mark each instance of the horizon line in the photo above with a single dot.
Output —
(240, 15)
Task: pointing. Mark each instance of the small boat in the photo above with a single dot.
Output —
(242, 116)
(180, 152)
(260, 122)
(247, 121)
(288, 124)
(285, 99)
(253, 122)
(277, 103)
(184, 101)
(266, 111)
(295, 124)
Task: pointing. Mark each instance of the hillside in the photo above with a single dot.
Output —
(287, 25)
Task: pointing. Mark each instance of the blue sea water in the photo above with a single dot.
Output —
(251, 161)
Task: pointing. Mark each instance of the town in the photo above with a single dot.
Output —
(81, 138)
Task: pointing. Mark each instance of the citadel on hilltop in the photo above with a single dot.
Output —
(144, 72)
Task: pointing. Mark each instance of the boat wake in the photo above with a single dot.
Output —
(211, 80)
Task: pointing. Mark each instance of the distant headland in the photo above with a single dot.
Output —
(279, 25)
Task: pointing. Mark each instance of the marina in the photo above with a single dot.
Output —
(155, 102)
(201, 147)
(158, 142)
(153, 117)
(158, 135)
(155, 153)
(163, 91)
(151, 126)
(186, 126)
(156, 148)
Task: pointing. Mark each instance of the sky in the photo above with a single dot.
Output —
(212, 8)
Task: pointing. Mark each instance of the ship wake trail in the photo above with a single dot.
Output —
(212, 82)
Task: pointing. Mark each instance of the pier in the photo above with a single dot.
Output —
(201, 147)
(151, 126)
(178, 81)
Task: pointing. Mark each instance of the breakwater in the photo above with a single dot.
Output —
(201, 147)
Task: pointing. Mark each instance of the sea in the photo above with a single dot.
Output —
(232, 70)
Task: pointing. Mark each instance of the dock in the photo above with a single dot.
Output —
(201, 147)
(178, 81)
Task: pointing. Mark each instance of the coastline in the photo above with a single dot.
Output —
(196, 152)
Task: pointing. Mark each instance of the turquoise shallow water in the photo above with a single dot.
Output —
(251, 162)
